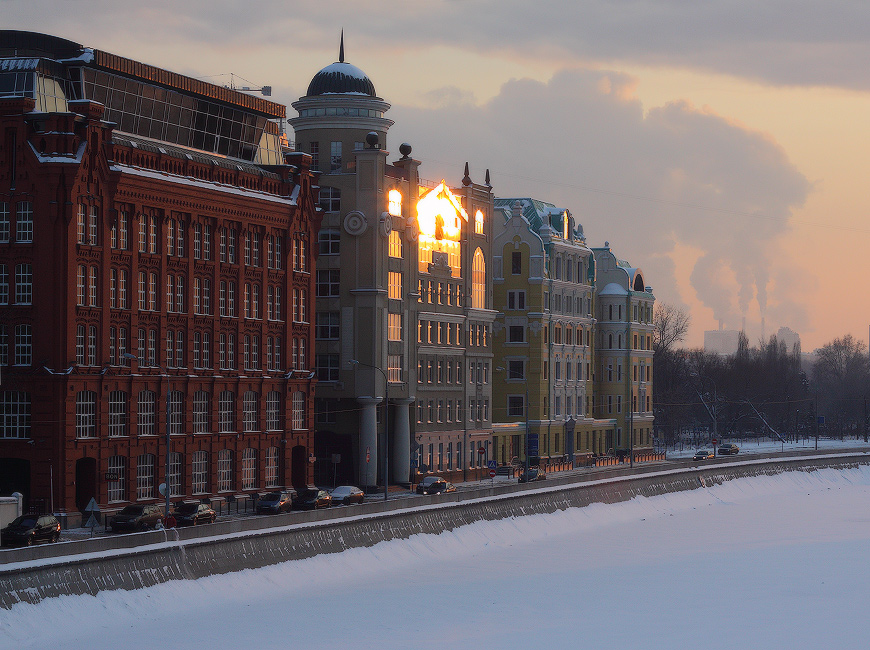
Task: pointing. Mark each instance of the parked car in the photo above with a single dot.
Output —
(728, 449)
(193, 514)
(313, 499)
(346, 495)
(136, 518)
(27, 530)
(703, 454)
(435, 485)
(275, 502)
(532, 474)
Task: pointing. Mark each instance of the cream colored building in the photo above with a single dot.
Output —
(404, 302)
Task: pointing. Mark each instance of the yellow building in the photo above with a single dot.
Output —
(549, 405)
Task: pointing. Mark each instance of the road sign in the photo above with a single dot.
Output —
(92, 506)
(492, 473)
(481, 450)
(492, 464)
(162, 489)
(336, 459)
(368, 454)
(414, 464)
(92, 522)
(532, 442)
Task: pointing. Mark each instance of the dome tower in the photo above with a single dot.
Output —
(340, 108)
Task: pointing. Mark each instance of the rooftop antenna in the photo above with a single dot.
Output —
(341, 48)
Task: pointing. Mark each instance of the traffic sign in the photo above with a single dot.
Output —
(492, 464)
(92, 506)
(481, 450)
(368, 454)
(492, 473)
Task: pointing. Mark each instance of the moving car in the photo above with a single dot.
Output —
(346, 495)
(434, 485)
(532, 474)
(728, 449)
(136, 518)
(275, 502)
(703, 454)
(193, 514)
(27, 530)
(313, 499)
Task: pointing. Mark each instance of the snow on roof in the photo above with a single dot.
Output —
(346, 69)
(613, 289)
(195, 182)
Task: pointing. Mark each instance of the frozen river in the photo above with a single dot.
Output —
(765, 562)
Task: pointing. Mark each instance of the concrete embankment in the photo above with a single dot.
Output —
(145, 559)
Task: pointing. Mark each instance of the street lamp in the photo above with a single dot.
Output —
(166, 483)
(386, 421)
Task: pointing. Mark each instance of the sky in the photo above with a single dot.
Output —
(720, 147)
(763, 562)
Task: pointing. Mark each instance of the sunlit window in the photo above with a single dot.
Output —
(478, 222)
(395, 207)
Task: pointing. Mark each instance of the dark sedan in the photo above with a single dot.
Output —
(137, 518)
(435, 485)
(728, 449)
(27, 530)
(193, 514)
(275, 502)
(346, 495)
(313, 499)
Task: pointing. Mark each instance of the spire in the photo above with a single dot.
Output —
(341, 48)
(467, 180)
(486, 182)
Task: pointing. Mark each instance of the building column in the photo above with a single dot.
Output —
(368, 441)
(400, 461)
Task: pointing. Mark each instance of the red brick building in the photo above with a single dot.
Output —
(155, 284)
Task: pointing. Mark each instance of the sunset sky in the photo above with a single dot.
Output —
(718, 146)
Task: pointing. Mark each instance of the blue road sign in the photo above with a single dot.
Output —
(492, 464)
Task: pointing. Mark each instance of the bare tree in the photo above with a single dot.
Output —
(841, 375)
(670, 325)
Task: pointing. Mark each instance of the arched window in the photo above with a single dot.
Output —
(478, 222)
(117, 413)
(270, 470)
(16, 414)
(225, 470)
(250, 411)
(249, 469)
(478, 281)
(86, 414)
(199, 472)
(145, 476)
(200, 411)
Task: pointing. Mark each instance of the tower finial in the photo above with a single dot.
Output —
(341, 48)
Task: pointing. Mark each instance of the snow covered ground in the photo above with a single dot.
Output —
(765, 445)
(766, 562)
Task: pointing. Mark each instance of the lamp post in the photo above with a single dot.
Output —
(386, 421)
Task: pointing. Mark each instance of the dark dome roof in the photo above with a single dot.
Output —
(341, 77)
